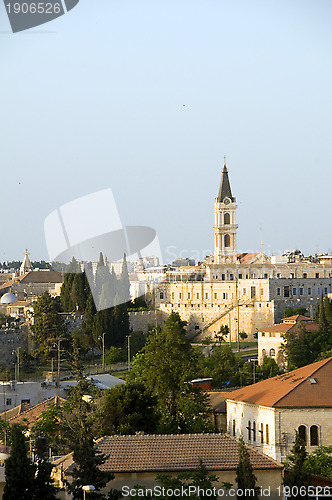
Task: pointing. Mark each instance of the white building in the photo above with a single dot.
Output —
(268, 413)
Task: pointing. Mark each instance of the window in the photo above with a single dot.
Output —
(249, 430)
(240, 276)
(206, 295)
(173, 295)
(262, 433)
(188, 295)
(197, 295)
(180, 295)
(317, 275)
(272, 353)
(292, 275)
(286, 291)
(318, 291)
(161, 295)
(278, 291)
(233, 428)
(8, 401)
(294, 291)
(215, 295)
(227, 218)
(253, 292)
(224, 296)
(231, 277)
(267, 434)
(301, 291)
(25, 401)
(305, 275)
(223, 277)
(244, 291)
(254, 431)
(227, 241)
(309, 291)
(262, 291)
(303, 433)
(325, 291)
(263, 334)
(314, 435)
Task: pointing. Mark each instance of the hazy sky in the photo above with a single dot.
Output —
(146, 98)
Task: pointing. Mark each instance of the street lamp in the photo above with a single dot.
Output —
(102, 338)
(87, 488)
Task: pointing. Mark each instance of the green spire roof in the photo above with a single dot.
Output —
(225, 187)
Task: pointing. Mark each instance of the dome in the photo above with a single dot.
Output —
(8, 298)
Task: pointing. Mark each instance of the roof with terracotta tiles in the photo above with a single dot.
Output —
(297, 318)
(172, 452)
(31, 414)
(306, 387)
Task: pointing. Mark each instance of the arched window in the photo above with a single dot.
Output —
(249, 430)
(254, 431)
(263, 352)
(227, 240)
(272, 352)
(227, 218)
(303, 433)
(233, 427)
(314, 435)
(262, 433)
(267, 434)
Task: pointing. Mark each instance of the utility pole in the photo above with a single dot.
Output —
(59, 360)
(128, 347)
(103, 342)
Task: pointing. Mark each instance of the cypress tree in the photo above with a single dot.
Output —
(19, 471)
(124, 284)
(43, 488)
(297, 476)
(245, 477)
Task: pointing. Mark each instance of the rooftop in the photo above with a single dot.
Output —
(171, 452)
(306, 387)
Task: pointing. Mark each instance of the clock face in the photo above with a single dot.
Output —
(227, 201)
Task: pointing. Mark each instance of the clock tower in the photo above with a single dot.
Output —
(225, 223)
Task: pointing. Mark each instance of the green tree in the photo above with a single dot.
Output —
(222, 366)
(77, 432)
(245, 477)
(48, 326)
(293, 311)
(43, 488)
(297, 475)
(19, 470)
(165, 365)
(320, 461)
(126, 409)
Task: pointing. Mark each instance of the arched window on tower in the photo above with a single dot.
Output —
(227, 218)
(303, 433)
(227, 241)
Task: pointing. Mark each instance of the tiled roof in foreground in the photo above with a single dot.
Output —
(172, 452)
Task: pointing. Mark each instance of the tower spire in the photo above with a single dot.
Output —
(225, 187)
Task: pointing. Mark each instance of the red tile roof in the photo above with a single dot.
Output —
(297, 318)
(31, 414)
(292, 389)
(172, 452)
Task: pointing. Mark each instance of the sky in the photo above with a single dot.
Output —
(147, 97)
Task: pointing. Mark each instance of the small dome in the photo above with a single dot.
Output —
(8, 298)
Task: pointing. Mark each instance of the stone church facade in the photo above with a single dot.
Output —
(248, 291)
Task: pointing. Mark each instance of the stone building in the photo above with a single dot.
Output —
(270, 340)
(268, 413)
(248, 291)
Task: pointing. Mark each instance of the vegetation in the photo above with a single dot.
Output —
(304, 347)
(19, 470)
(320, 462)
(165, 366)
(245, 478)
(297, 475)
(293, 311)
